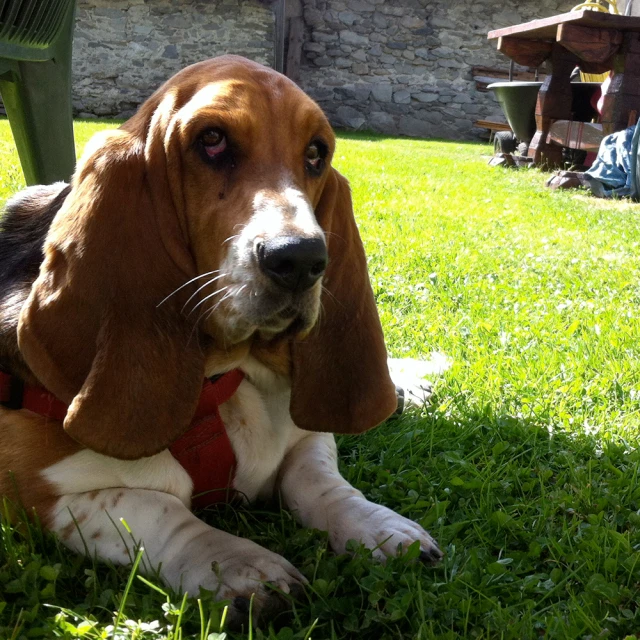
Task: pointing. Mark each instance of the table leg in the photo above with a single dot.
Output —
(623, 94)
(554, 103)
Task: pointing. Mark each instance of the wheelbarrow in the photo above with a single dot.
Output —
(518, 101)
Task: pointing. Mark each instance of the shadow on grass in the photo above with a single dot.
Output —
(540, 528)
(540, 532)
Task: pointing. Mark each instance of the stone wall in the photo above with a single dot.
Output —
(404, 66)
(124, 49)
(393, 66)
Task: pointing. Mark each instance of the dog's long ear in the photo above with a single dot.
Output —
(340, 379)
(94, 329)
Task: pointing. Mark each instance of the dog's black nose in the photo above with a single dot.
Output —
(292, 262)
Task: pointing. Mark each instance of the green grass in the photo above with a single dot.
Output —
(524, 466)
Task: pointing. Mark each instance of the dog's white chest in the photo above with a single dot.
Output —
(259, 431)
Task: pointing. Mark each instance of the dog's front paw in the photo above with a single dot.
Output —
(380, 529)
(262, 574)
(239, 571)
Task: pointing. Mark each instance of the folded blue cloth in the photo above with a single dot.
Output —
(614, 171)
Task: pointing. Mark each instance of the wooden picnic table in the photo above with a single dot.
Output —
(594, 41)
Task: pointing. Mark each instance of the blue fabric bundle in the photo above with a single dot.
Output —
(615, 172)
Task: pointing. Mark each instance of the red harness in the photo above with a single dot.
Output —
(204, 450)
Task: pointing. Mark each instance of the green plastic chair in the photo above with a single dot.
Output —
(35, 84)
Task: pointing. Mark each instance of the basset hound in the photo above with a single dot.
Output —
(204, 263)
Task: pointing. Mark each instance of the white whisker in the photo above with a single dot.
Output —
(215, 293)
(187, 283)
(225, 324)
(225, 297)
(206, 284)
(331, 295)
(207, 312)
(321, 316)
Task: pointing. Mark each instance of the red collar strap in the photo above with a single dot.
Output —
(204, 450)
(14, 394)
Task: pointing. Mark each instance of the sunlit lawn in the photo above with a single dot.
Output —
(524, 466)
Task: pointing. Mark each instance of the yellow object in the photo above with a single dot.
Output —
(604, 6)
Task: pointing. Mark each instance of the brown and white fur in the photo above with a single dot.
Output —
(105, 303)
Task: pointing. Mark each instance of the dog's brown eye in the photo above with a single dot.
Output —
(214, 142)
(313, 153)
(314, 156)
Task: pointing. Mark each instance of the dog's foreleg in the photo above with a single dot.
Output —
(109, 508)
(113, 523)
(321, 498)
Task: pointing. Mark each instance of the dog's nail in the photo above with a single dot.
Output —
(275, 608)
(238, 616)
(241, 604)
(431, 556)
(297, 591)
